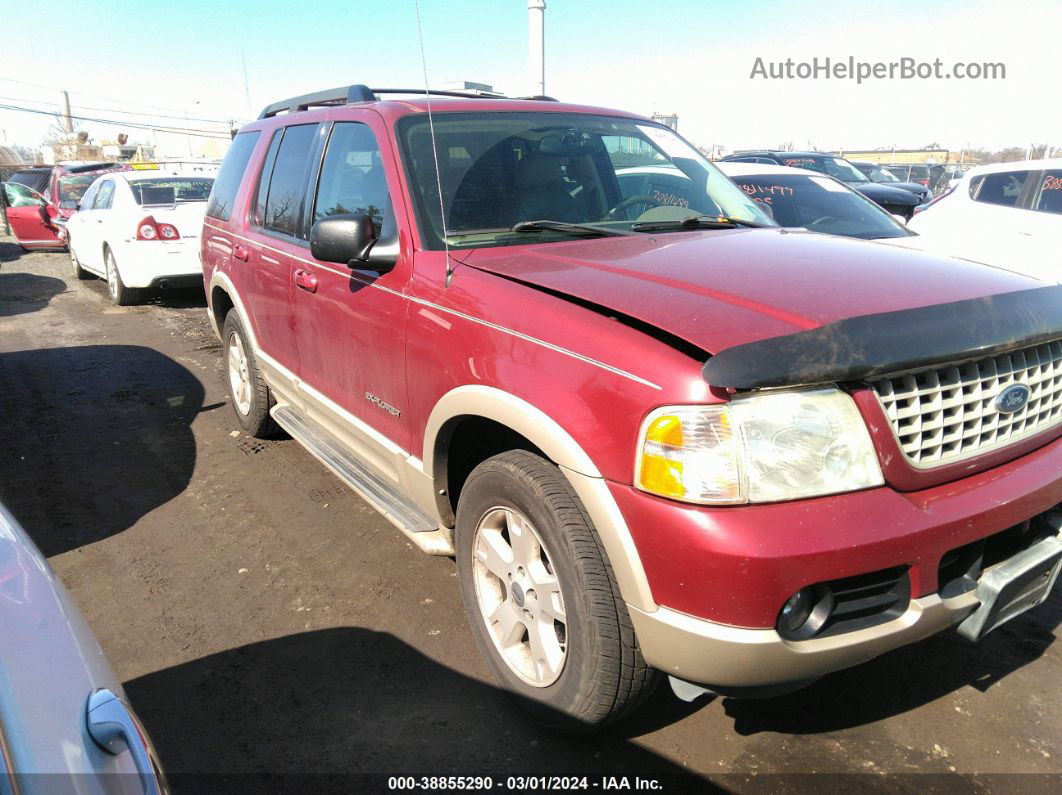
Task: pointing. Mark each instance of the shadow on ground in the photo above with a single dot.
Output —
(355, 701)
(21, 293)
(96, 431)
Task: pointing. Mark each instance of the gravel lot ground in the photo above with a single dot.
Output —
(266, 621)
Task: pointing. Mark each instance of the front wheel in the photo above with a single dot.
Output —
(541, 598)
(75, 265)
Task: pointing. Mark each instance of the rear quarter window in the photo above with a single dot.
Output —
(1003, 188)
(227, 184)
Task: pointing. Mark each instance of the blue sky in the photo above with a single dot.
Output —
(692, 57)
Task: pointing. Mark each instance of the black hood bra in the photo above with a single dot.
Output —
(893, 342)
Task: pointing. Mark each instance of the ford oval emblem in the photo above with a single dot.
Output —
(1014, 398)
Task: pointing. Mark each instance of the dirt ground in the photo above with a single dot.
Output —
(266, 621)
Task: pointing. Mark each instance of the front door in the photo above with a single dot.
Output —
(351, 323)
(27, 215)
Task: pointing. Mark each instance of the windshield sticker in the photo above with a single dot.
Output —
(670, 200)
(759, 191)
(797, 162)
(829, 184)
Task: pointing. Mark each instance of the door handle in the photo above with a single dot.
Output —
(241, 252)
(305, 280)
(114, 729)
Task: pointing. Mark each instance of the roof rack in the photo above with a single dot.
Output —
(349, 95)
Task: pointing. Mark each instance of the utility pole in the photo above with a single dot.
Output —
(68, 122)
(536, 46)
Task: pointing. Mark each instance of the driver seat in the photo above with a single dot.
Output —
(543, 192)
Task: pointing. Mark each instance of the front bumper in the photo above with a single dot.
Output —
(718, 655)
(721, 576)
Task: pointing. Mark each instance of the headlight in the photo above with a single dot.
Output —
(761, 448)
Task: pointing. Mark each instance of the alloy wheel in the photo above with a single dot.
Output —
(239, 374)
(519, 596)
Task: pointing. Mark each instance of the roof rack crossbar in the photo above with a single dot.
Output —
(348, 95)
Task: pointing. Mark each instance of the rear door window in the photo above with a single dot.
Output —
(286, 187)
(227, 184)
(1049, 195)
(1003, 188)
(104, 195)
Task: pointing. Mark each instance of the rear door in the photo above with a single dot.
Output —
(90, 230)
(351, 323)
(1043, 226)
(275, 232)
(28, 217)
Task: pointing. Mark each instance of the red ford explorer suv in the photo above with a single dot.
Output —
(657, 432)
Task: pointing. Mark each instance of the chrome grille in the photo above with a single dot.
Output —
(945, 414)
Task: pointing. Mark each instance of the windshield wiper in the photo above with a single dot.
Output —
(562, 226)
(694, 222)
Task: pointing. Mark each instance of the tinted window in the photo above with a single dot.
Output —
(258, 211)
(230, 174)
(1003, 188)
(352, 177)
(1050, 198)
(820, 204)
(171, 189)
(104, 195)
(287, 182)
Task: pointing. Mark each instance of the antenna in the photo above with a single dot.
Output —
(434, 150)
(246, 91)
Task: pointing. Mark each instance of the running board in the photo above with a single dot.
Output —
(407, 517)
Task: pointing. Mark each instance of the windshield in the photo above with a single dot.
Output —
(73, 188)
(834, 166)
(877, 173)
(497, 170)
(820, 204)
(167, 190)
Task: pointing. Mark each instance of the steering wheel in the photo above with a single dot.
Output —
(630, 201)
(821, 220)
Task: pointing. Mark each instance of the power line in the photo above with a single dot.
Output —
(97, 96)
(124, 112)
(199, 133)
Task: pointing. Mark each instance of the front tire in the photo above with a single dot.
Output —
(120, 294)
(541, 598)
(75, 265)
(251, 397)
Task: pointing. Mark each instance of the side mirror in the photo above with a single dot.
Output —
(351, 240)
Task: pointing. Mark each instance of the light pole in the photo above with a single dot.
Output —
(536, 45)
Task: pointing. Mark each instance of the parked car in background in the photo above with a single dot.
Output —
(881, 175)
(1004, 214)
(798, 198)
(930, 175)
(894, 200)
(656, 431)
(65, 723)
(56, 192)
(139, 230)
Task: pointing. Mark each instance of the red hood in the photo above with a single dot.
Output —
(717, 289)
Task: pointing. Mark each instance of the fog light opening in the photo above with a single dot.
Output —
(805, 613)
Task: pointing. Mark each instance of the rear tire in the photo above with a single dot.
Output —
(250, 396)
(120, 294)
(541, 597)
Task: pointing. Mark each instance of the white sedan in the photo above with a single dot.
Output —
(139, 231)
(1005, 214)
